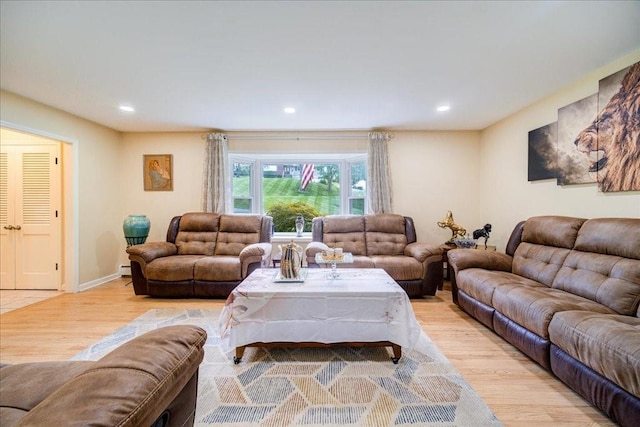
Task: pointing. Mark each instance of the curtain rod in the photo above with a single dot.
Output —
(295, 138)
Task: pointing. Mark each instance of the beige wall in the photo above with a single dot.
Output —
(506, 195)
(432, 172)
(95, 150)
(480, 176)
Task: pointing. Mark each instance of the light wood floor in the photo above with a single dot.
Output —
(516, 389)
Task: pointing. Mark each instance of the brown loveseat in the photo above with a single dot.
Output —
(205, 255)
(151, 380)
(567, 294)
(386, 241)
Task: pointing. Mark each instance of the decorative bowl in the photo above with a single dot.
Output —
(466, 243)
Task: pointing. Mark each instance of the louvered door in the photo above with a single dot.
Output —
(30, 234)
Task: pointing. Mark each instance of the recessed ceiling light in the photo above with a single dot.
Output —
(289, 110)
(127, 108)
(443, 108)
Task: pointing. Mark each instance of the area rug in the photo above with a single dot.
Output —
(339, 386)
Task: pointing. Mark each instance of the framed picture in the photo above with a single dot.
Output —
(158, 172)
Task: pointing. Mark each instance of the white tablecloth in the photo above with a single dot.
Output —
(362, 305)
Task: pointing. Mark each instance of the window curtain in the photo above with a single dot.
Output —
(379, 173)
(216, 188)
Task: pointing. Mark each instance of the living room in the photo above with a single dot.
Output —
(478, 173)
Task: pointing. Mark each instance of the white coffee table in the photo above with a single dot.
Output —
(364, 307)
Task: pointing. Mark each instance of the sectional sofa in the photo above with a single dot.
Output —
(566, 292)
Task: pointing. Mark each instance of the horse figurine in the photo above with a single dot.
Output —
(456, 230)
(483, 232)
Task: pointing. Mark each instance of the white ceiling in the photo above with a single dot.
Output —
(342, 65)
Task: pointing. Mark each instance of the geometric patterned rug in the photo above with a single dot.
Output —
(337, 386)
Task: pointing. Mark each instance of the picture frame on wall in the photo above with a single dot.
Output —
(158, 172)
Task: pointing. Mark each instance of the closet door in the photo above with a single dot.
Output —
(30, 218)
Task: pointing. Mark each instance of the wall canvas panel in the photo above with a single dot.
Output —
(617, 143)
(542, 152)
(573, 165)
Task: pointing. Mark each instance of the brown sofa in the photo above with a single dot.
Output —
(205, 255)
(386, 241)
(567, 294)
(151, 380)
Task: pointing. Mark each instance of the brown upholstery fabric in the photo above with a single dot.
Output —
(538, 262)
(385, 223)
(607, 279)
(533, 307)
(557, 231)
(481, 284)
(398, 267)
(152, 250)
(611, 236)
(236, 232)
(26, 385)
(197, 233)
(172, 269)
(166, 269)
(343, 224)
(608, 344)
(571, 302)
(385, 234)
(218, 269)
(131, 386)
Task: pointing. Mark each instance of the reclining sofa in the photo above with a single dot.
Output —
(151, 380)
(567, 294)
(205, 255)
(386, 241)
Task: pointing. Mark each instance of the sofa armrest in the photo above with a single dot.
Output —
(460, 259)
(312, 249)
(131, 386)
(422, 251)
(255, 252)
(147, 252)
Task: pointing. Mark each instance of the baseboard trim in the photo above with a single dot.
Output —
(98, 282)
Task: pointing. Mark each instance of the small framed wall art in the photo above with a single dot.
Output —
(158, 172)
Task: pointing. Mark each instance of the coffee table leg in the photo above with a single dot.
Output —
(397, 353)
(239, 353)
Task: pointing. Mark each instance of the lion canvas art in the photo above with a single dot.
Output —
(614, 135)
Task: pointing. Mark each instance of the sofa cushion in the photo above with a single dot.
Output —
(480, 284)
(534, 307)
(538, 262)
(218, 269)
(197, 233)
(399, 267)
(172, 268)
(385, 234)
(346, 232)
(359, 261)
(236, 232)
(610, 236)
(608, 344)
(25, 385)
(606, 279)
(557, 231)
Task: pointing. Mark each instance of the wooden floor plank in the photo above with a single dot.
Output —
(516, 389)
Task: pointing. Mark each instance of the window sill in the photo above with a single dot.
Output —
(287, 237)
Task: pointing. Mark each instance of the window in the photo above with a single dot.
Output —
(330, 184)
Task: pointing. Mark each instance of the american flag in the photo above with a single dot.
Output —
(307, 176)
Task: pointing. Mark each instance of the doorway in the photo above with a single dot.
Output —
(30, 212)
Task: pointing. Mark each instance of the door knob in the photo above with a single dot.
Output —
(17, 227)
(8, 227)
